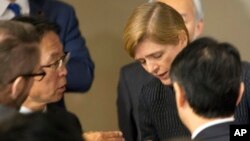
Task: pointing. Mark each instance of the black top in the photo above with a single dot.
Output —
(158, 113)
(132, 78)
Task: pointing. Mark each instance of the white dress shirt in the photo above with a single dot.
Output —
(6, 14)
(25, 110)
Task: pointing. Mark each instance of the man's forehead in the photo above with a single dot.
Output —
(51, 46)
(51, 54)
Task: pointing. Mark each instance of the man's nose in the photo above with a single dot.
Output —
(63, 70)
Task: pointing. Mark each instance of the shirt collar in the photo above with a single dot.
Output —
(206, 125)
(3, 6)
(26, 110)
(24, 4)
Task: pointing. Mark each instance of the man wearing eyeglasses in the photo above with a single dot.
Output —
(81, 67)
(19, 61)
(50, 87)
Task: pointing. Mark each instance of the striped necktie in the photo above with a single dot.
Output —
(15, 8)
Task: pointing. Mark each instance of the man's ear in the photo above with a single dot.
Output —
(179, 95)
(17, 87)
(241, 91)
(198, 29)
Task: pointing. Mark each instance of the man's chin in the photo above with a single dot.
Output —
(59, 96)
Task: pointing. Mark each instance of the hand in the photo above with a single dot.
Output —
(103, 136)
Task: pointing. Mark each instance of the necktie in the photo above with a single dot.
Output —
(15, 8)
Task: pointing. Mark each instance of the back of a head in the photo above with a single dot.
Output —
(155, 21)
(19, 54)
(210, 74)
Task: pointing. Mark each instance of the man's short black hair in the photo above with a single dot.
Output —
(210, 73)
(41, 24)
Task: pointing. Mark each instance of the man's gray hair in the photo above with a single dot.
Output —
(198, 9)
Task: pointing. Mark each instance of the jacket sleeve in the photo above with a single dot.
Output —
(242, 111)
(80, 66)
(246, 95)
(124, 109)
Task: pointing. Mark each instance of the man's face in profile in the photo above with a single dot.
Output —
(52, 86)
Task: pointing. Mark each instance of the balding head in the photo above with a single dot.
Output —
(191, 12)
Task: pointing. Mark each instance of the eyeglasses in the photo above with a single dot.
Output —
(37, 76)
(57, 64)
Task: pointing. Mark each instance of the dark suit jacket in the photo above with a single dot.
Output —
(68, 117)
(132, 78)
(80, 66)
(218, 132)
(6, 112)
(158, 115)
(56, 123)
(80, 72)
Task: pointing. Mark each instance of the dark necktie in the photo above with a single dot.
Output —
(15, 8)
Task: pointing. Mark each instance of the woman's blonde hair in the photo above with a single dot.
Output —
(155, 21)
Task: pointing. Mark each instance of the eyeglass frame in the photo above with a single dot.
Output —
(42, 74)
(63, 60)
(58, 63)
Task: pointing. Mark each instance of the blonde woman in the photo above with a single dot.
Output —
(154, 34)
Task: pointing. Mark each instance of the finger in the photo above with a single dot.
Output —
(111, 134)
(114, 139)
